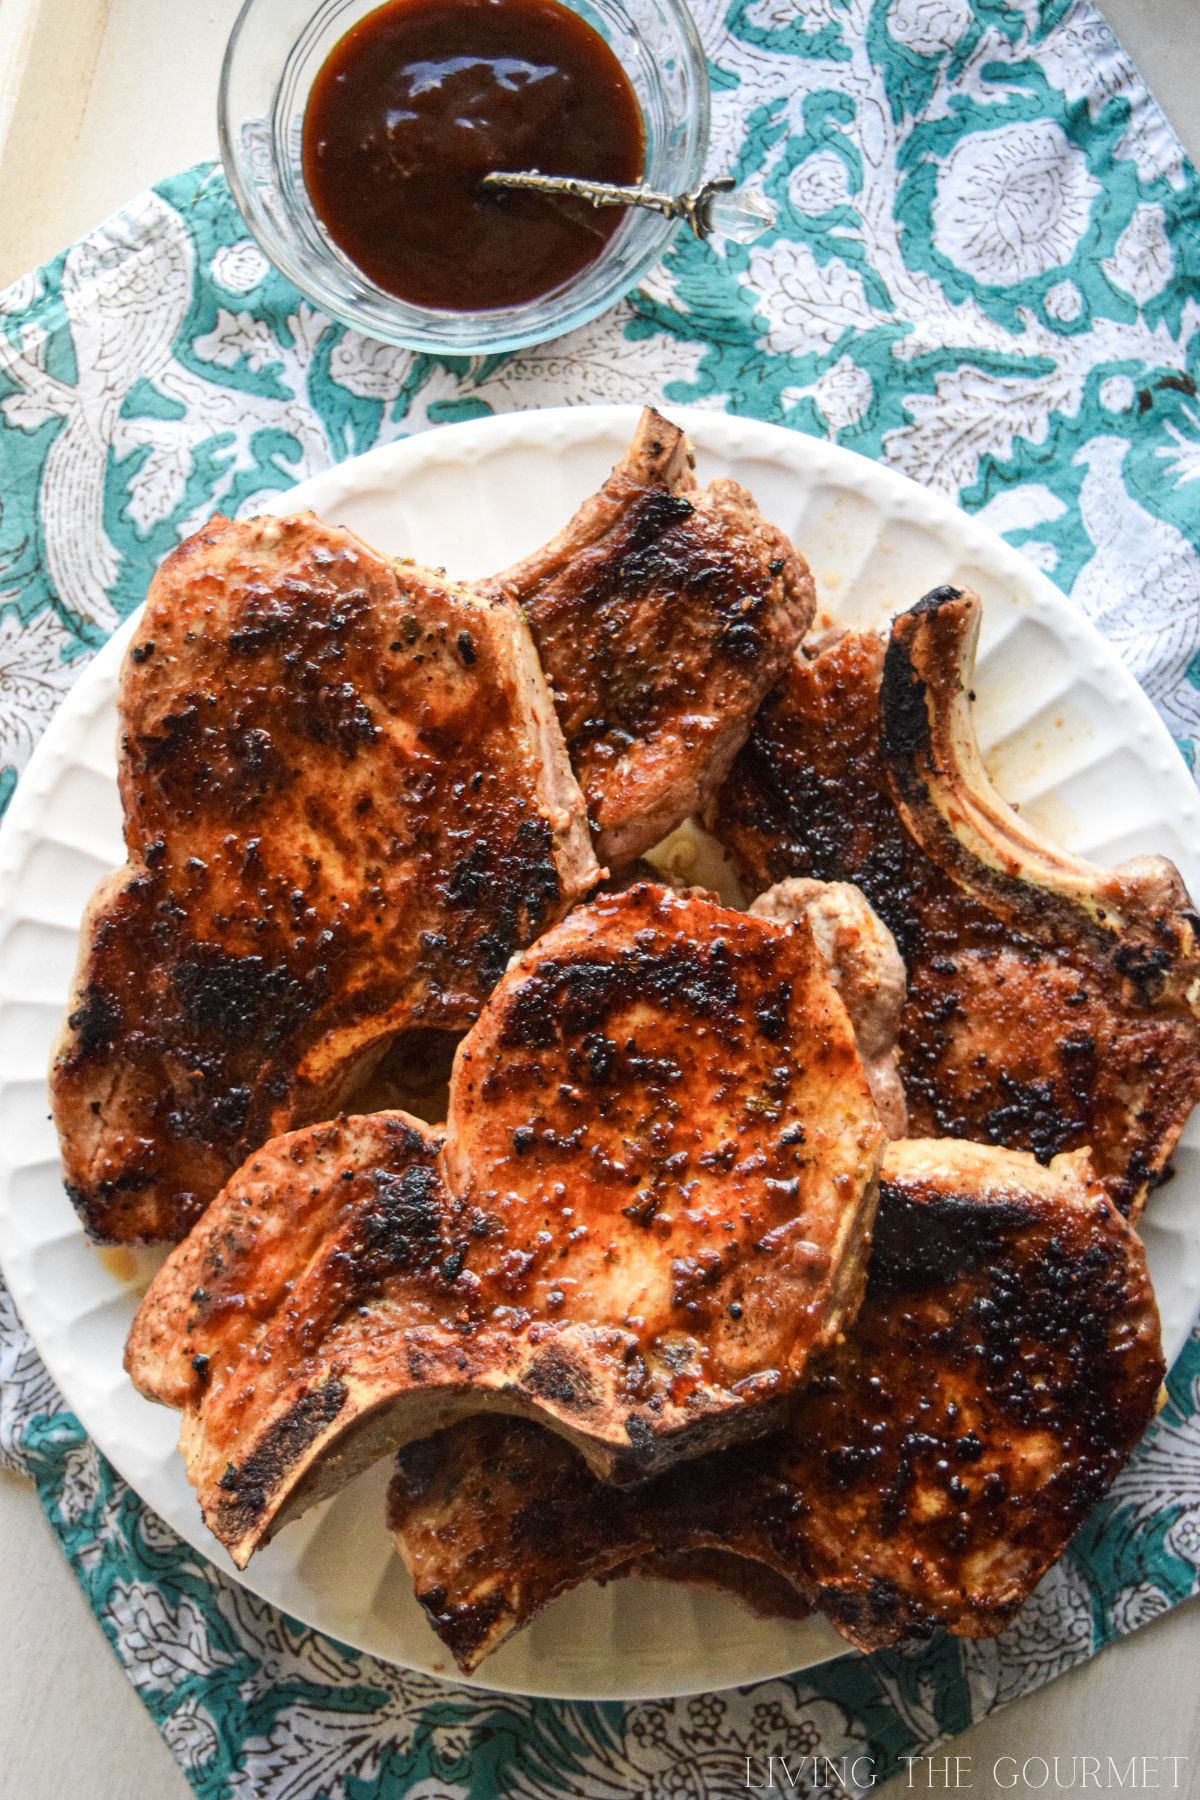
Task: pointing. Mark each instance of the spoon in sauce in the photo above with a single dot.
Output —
(424, 138)
(421, 100)
(716, 209)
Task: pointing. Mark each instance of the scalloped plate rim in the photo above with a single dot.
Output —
(463, 444)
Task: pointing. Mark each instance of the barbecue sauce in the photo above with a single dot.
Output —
(420, 100)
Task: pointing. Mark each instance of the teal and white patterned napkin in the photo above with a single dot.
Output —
(986, 273)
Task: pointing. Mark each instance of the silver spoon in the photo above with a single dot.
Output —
(711, 210)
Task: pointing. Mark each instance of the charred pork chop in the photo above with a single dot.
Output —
(662, 614)
(347, 802)
(652, 1209)
(1004, 1364)
(1051, 1004)
(665, 1102)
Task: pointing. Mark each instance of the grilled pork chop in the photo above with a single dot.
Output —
(652, 1209)
(1051, 1004)
(1003, 1366)
(347, 802)
(662, 614)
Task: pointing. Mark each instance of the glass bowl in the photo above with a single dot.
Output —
(273, 57)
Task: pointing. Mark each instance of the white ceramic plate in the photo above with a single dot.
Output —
(1069, 737)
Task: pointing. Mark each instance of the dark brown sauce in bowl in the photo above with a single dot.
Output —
(421, 100)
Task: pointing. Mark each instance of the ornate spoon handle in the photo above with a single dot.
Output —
(713, 208)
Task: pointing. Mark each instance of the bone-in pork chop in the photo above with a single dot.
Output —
(1004, 1364)
(662, 614)
(347, 802)
(674, 1089)
(652, 1210)
(1051, 1004)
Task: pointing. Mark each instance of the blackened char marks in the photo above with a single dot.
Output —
(555, 1374)
(227, 1112)
(699, 571)
(645, 544)
(340, 719)
(640, 1436)
(96, 1022)
(462, 1627)
(878, 1613)
(918, 1237)
(262, 770)
(1003, 1366)
(903, 707)
(174, 744)
(574, 999)
(935, 599)
(668, 579)
(247, 1488)
(241, 997)
(1144, 965)
(808, 794)
(308, 617)
(1033, 1113)
(502, 893)
(401, 1227)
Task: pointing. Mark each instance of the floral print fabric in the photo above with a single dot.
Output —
(985, 272)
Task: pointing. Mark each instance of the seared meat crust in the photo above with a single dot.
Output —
(1051, 1004)
(665, 1103)
(662, 614)
(1004, 1364)
(652, 1209)
(347, 802)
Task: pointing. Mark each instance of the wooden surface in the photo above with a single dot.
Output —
(98, 98)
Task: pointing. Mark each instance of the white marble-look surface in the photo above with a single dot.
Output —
(98, 98)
